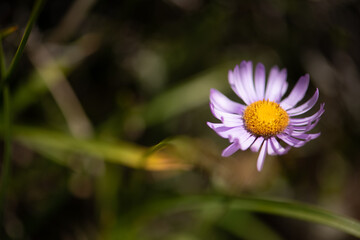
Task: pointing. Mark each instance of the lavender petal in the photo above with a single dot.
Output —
(229, 132)
(221, 102)
(247, 143)
(291, 141)
(309, 126)
(262, 154)
(305, 136)
(297, 93)
(227, 118)
(277, 147)
(230, 150)
(260, 81)
(235, 79)
(276, 82)
(306, 106)
(270, 149)
(255, 147)
(284, 88)
(307, 120)
(247, 80)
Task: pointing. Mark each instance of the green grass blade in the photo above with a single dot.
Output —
(298, 211)
(284, 208)
(132, 155)
(34, 14)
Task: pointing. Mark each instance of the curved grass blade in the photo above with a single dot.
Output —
(132, 155)
(298, 210)
(283, 208)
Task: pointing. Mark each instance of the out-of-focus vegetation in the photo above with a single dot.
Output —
(109, 105)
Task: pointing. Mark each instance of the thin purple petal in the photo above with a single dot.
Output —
(215, 126)
(246, 75)
(277, 147)
(297, 93)
(307, 120)
(235, 82)
(221, 102)
(305, 136)
(262, 154)
(260, 81)
(307, 127)
(257, 144)
(276, 84)
(306, 106)
(230, 150)
(247, 143)
(270, 149)
(228, 132)
(270, 81)
(291, 141)
(227, 118)
(232, 80)
(284, 88)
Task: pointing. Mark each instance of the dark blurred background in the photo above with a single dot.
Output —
(103, 81)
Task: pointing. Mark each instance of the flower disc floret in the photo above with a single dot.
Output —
(265, 118)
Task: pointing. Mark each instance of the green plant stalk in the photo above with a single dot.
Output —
(34, 14)
(5, 169)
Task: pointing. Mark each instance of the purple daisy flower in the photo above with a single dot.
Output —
(267, 116)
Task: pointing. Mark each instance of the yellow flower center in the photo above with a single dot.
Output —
(265, 118)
